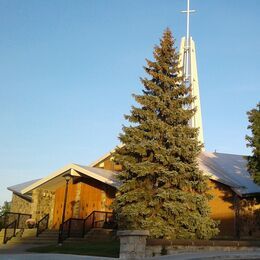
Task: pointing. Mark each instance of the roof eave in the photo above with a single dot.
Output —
(46, 179)
(95, 163)
(26, 197)
(75, 170)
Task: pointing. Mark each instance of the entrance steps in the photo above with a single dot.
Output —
(100, 234)
(29, 237)
(95, 234)
(48, 237)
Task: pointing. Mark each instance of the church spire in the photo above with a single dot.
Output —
(189, 65)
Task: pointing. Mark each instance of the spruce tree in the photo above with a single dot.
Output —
(254, 142)
(162, 189)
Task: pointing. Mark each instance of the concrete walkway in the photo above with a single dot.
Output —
(18, 252)
(242, 255)
(33, 256)
(15, 248)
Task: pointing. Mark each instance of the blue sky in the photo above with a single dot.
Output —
(68, 69)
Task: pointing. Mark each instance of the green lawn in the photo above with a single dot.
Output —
(106, 249)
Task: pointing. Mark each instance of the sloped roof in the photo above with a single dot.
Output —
(19, 187)
(229, 169)
(110, 175)
(55, 179)
(105, 156)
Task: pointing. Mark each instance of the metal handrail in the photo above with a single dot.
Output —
(94, 221)
(16, 213)
(85, 230)
(6, 238)
(61, 230)
(11, 212)
(40, 223)
(17, 216)
(91, 221)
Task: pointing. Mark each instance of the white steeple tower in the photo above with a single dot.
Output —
(189, 64)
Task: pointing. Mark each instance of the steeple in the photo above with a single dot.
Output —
(189, 64)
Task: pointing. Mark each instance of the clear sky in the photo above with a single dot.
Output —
(68, 69)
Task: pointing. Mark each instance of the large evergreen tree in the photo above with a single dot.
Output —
(162, 188)
(254, 142)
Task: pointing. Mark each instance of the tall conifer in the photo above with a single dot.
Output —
(254, 142)
(163, 190)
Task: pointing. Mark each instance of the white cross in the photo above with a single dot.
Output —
(187, 45)
(188, 11)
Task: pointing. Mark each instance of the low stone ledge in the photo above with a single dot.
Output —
(122, 233)
(157, 247)
(223, 243)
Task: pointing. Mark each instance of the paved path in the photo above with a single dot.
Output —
(18, 252)
(50, 257)
(192, 256)
(242, 255)
(15, 248)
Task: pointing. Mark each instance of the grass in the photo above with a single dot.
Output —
(106, 249)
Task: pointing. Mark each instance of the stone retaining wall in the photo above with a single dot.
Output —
(157, 247)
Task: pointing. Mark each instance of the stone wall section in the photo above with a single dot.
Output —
(76, 206)
(132, 243)
(20, 205)
(188, 246)
(42, 204)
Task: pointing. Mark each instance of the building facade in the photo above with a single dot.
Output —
(235, 197)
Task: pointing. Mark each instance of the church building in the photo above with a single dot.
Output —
(93, 187)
